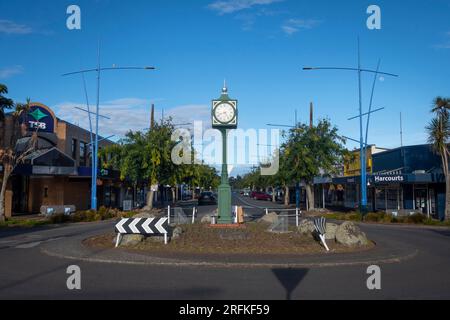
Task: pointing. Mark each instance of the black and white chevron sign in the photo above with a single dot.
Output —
(145, 226)
(320, 225)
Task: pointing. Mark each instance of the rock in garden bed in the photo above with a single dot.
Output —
(349, 234)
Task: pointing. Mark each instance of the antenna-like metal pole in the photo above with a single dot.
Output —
(361, 142)
(401, 130)
(95, 155)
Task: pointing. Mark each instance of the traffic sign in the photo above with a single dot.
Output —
(144, 226)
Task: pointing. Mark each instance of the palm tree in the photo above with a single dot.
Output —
(9, 158)
(438, 136)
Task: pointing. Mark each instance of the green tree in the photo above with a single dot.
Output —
(438, 136)
(312, 151)
(144, 157)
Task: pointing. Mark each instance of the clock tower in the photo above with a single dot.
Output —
(224, 117)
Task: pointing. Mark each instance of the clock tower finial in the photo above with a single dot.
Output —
(224, 89)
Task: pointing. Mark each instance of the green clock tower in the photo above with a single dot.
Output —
(224, 118)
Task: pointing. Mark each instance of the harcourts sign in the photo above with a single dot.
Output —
(40, 118)
(389, 179)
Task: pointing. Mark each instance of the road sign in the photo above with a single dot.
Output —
(144, 226)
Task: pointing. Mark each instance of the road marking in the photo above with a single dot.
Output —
(28, 245)
(249, 204)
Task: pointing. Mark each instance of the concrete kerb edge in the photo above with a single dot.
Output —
(183, 263)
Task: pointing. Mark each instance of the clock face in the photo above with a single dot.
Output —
(224, 113)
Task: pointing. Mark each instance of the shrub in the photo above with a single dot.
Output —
(374, 217)
(416, 218)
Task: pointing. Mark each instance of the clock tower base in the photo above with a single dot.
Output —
(225, 204)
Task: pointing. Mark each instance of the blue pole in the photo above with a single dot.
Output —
(361, 142)
(95, 156)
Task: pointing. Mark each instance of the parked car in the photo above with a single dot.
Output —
(246, 192)
(207, 198)
(262, 196)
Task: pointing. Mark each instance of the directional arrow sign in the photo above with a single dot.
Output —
(144, 226)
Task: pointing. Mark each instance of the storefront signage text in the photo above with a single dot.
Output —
(381, 179)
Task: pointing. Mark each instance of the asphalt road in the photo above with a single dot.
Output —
(26, 272)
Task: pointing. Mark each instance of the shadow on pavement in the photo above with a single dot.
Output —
(290, 279)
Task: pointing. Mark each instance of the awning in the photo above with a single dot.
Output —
(51, 162)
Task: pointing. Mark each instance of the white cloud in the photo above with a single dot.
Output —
(10, 27)
(130, 114)
(10, 71)
(292, 26)
(231, 6)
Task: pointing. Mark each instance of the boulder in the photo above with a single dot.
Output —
(176, 233)
(159, 239)
(349, 234)
(331, 231)
(131, 239)
(207, 219)
(306, 227)
(269, 218)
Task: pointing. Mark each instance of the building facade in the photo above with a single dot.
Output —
(58, 169)
(402, 181)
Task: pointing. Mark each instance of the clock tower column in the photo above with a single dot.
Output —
(224, 117)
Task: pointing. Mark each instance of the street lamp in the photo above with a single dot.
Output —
(97, 115)
(362, 142)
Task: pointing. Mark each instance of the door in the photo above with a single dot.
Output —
(421, 200)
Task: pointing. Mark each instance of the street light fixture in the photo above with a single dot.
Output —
(363, 144)
(97, 115)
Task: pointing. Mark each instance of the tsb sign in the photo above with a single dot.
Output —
(40, 118)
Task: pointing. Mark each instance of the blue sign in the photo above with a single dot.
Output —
(40, 119)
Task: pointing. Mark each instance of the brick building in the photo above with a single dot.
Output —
(58, 171)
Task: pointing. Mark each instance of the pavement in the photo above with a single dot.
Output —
(413, 261)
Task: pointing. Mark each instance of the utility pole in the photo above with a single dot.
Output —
(152, 117)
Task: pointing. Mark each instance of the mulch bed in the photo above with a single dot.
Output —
(254, 239)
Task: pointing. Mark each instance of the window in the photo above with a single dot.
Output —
(74, 149)
(83, 154)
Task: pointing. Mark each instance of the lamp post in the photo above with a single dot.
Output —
(97, 115)
(362, 142)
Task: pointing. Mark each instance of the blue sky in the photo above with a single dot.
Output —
(259, 46)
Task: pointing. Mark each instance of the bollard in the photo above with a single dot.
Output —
(168, 214)
(267, 211)
(296, 218)
(193, 215)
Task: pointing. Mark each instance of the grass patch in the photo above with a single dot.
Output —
(24, 223)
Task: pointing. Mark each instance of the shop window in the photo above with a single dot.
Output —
(392, 201)
(83, 154)
(46, 192)
(74, 149)
(380, 195)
